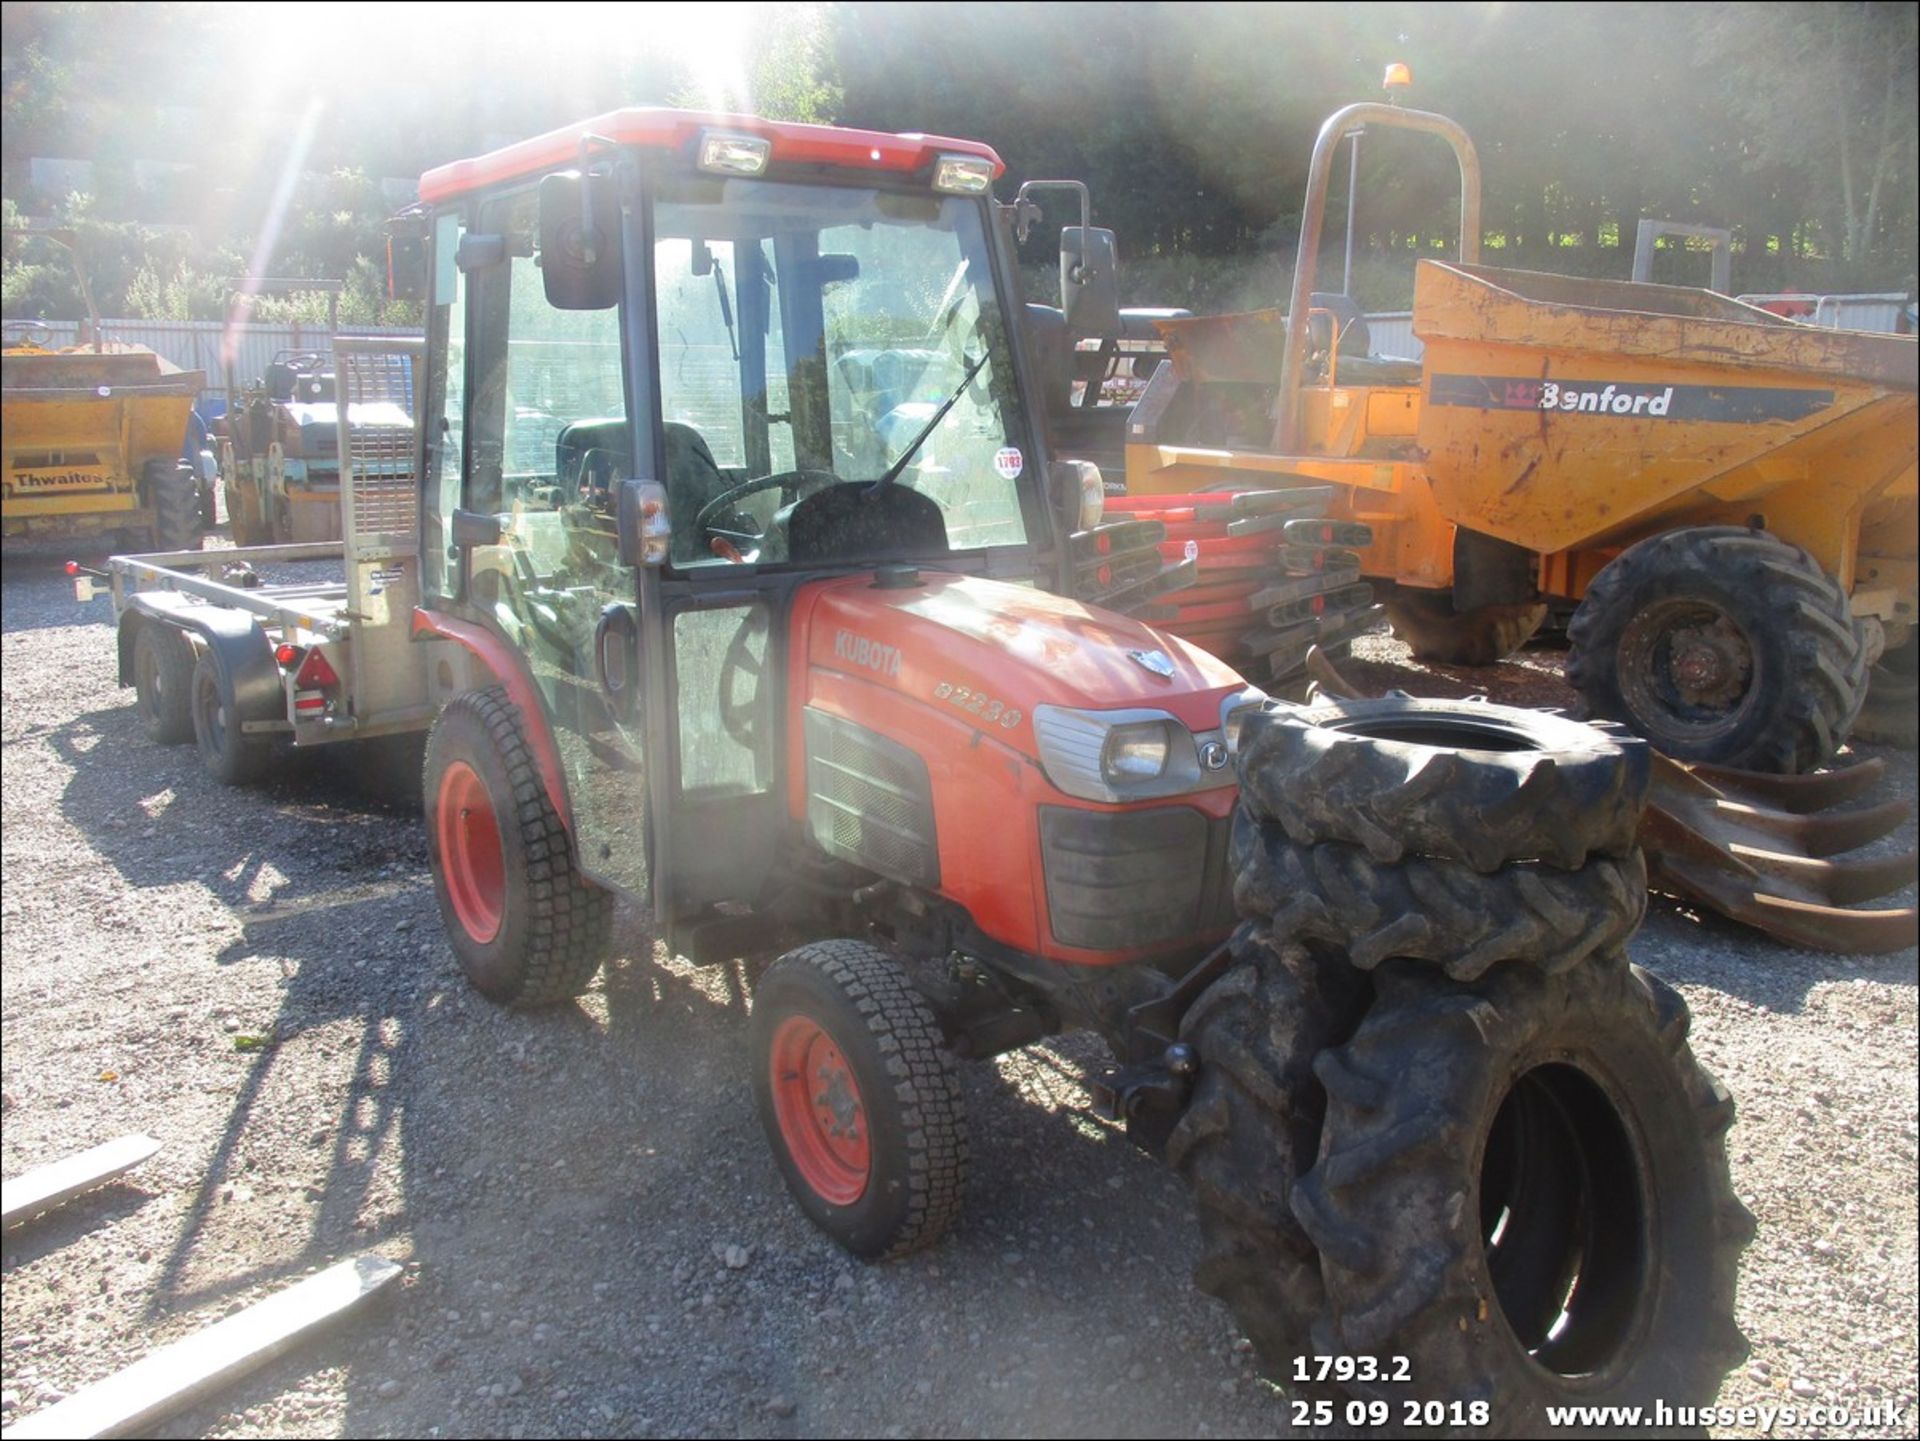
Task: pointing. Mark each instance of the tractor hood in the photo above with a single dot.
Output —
(951, 639)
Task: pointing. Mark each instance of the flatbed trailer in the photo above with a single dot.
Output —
(232, 659)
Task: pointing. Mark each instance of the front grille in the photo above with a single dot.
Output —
(870, 800)
(1123, 880)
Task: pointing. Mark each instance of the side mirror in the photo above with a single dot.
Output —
(1089, 280)
(580, 241)
(641, 522)
(472, 527)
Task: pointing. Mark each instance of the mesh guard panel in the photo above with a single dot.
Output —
(870, 801)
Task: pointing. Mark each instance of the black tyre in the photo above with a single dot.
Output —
(173, 491)
(1891, 714)
(1724, 645)
(860, 1101)
(163, 664)
(231, 756)
(1254, 1125)
(1434, 910)
(1522, 1188)
(1484, 784)
(528, 929)
(1434, 630)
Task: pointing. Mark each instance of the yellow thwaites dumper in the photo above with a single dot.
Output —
(1730, 496)
(93, 446)
(93, 435)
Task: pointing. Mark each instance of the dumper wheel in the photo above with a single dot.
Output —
(163, 664)
(527, 927)
(231, 756)
(1434, 910)
(1891, 715)
(1522, 1189)
(860, 1100)
(1254, 1125)
(1722, 644)
(173, 491)
(1434, 630)
(1487, 785)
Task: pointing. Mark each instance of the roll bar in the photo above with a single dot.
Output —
(1341, 124)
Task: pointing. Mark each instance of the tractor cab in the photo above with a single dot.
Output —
(734, 473)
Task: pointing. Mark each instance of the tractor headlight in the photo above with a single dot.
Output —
(1136, 753)
(963, 174)
(1123, 755)
(726, 153)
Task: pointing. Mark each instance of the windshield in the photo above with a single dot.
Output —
(808, 336)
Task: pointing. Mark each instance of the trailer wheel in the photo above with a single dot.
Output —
(163, 666)
(860, 1100)
(1522, 1189)
(1435, 910)
(173, 490)
(1488, 785)
(528, 929)
(1722, 644)
(1891, 714)
(1253, 1126)
(231, 756)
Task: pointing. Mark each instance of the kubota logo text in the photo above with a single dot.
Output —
(858, 650)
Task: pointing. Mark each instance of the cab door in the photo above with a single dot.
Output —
(549, 435)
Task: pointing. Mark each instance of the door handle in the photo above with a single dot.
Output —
(616, 660)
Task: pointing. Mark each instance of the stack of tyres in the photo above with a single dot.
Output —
(1272, 577)
(1428, 999)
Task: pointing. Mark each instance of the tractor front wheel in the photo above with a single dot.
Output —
(1522, 1189)
(1722, 644)
(528, 929)
(860, 1100)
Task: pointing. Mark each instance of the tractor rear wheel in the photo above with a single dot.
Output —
(860, 1100)
(163, 663)
(1594, 1258)
(1253, 1126)
(231, 756)
(528, 929)
(1487, 785)
(1722, 644)
(173, 491)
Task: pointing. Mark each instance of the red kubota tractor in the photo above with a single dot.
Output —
(742, 576)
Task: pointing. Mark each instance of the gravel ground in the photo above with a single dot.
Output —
(596, 1240)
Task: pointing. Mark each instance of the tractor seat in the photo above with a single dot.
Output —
(693, 476)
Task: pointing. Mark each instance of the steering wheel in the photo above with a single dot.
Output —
(740, 717)
(788, 482)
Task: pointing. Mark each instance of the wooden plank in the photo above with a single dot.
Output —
(174, 1376)
(48, 1186)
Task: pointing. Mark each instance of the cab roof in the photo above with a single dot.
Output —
(664, 129)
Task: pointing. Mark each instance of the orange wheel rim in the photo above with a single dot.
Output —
(821, 1115)
(470, 856)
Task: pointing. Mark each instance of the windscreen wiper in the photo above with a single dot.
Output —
(893, 471)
